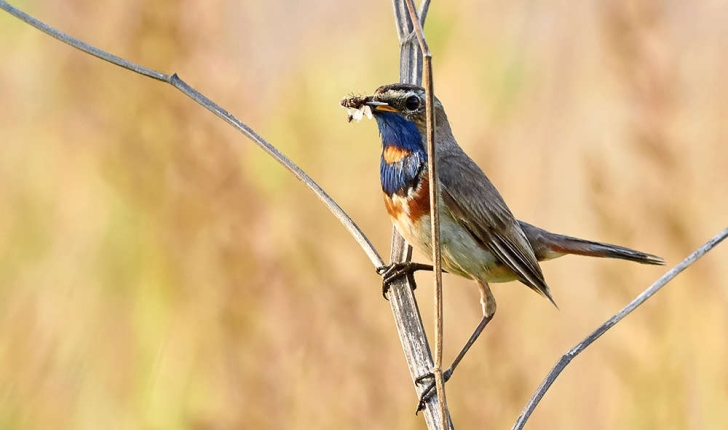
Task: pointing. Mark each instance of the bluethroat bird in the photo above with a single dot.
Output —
(480, 238)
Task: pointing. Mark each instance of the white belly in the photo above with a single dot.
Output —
(461, 254)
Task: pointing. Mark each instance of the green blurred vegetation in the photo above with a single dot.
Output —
(158, 271)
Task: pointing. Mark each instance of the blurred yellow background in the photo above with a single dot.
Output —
(159, 271)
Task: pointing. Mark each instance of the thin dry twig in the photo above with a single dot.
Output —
(434, 207)
(208, 104)
(401, 298)
(596, 334)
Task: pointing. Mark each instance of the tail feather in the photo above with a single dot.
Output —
(571, 245)
(548, 245)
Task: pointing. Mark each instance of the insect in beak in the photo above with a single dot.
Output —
(359, 107)
(356, 114)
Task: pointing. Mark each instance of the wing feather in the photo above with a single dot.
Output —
(476, 204)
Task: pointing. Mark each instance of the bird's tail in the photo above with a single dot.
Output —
(547, 245)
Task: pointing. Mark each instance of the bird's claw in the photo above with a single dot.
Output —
(427, 392)
(393, 271)
(430, 390)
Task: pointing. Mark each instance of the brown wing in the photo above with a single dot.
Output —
(480, 209)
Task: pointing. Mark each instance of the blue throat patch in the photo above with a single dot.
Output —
(397, 132)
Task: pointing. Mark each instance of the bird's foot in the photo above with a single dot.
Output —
(429, 390)
(391, 272)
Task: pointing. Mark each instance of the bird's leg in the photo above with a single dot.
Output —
(487, 303)
(395, 270)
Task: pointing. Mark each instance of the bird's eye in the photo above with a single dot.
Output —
(412, 103)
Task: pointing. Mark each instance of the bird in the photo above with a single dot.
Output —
(480, 238)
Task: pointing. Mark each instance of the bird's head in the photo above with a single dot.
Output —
(399, 110)
(405, 100)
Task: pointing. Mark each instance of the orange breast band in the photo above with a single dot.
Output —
(393, 154)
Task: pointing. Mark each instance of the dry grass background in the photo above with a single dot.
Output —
(159, 271)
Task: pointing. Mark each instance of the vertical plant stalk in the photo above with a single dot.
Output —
(434, 207)
(401, 298)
